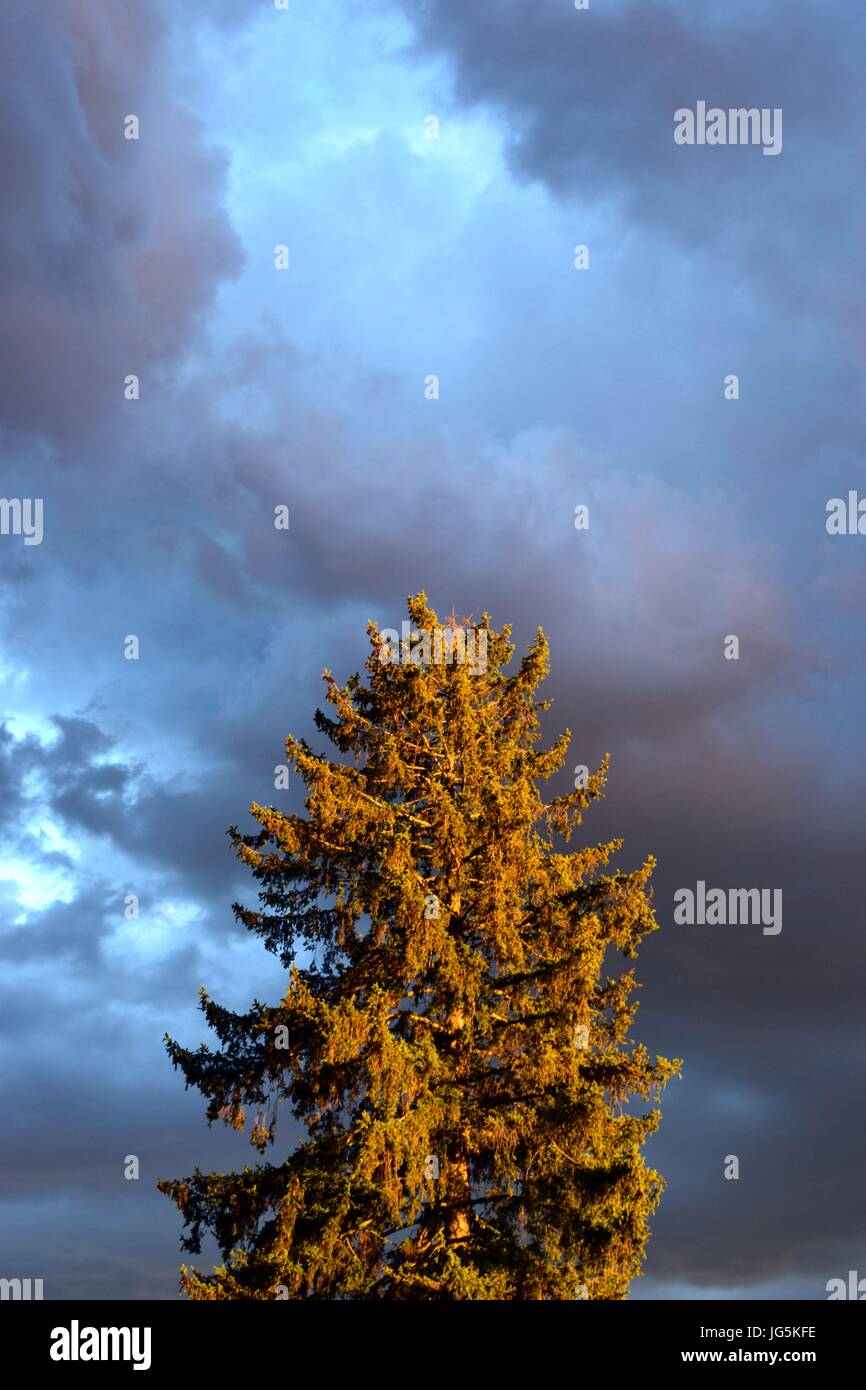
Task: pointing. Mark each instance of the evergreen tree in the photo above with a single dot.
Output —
(460, 1065)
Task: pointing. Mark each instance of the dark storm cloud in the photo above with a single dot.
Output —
(70, 932)
(92, 1039)
(10, 781)
(768, 1105)
(653, 597)
(68, 1178)
(768, 1058)
(160, 827)
(587, 101)
(111, 248)
(85, 790)
(171, 843)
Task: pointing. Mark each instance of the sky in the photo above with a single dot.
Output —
(308, 387)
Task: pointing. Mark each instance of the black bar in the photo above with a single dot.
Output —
(305, 1341)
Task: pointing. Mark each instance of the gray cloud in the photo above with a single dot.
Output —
(112, 249)
(587, 102)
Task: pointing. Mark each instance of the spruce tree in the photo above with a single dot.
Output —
(460, 1066)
